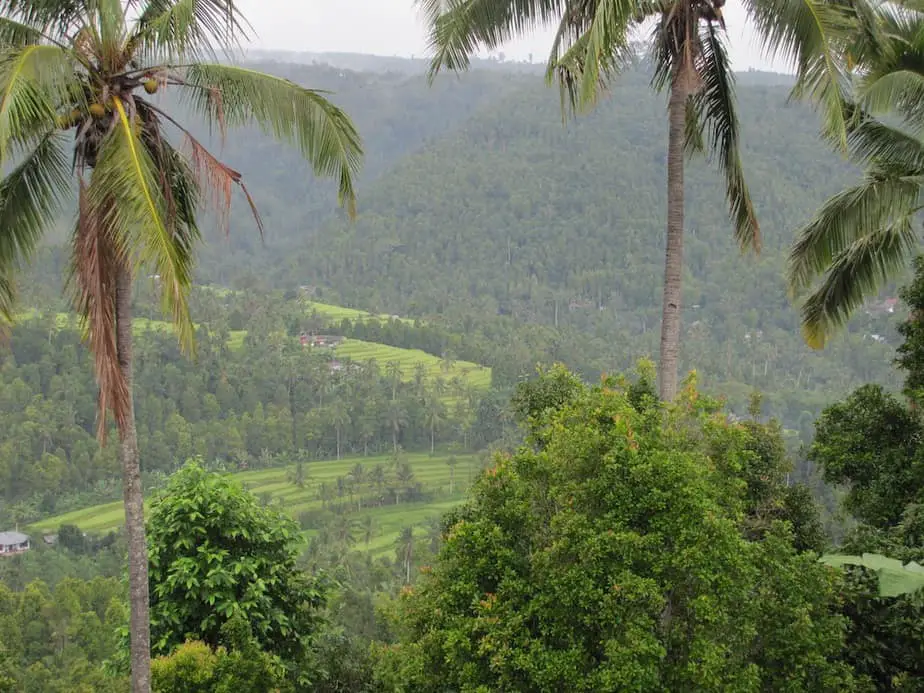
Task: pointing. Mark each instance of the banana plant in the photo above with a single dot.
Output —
(895, 578)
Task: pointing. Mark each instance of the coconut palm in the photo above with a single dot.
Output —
(76, 78)
(592, 44)
(864, 236)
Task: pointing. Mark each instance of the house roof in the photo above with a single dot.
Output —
(9, 538)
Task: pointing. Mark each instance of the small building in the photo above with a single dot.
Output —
(13, 542)
(325, 341)
(884, 307)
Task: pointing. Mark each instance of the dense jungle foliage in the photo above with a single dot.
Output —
(497, 235)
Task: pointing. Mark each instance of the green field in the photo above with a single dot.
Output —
(472, 374)
(139, 325)
(340, 312)
(432, 472)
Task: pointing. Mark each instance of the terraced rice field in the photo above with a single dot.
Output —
(472, 374)
(340, 312)
(432, 472)
(139, 325)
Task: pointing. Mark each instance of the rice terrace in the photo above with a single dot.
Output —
(279, 486)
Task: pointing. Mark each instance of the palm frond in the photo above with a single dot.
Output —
(849, 217)
(715, 105)
(210, 174)
(13, 33)
(810, 35)
(458, 28)
(98, 254)
(695, 138)
(176, 178)
(872, 141)
(591, 47)
(109, 25)
(30, 200)
(857, 273)
(141, 223)
(323, 133)
(34, 81)
(54, 18)
(675, 47)
(900, 91)
(183, 30)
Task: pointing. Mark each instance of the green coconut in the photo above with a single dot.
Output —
(97, 110)
(151, 86)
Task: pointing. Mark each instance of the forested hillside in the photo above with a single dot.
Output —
(479, 206)
(482, 212)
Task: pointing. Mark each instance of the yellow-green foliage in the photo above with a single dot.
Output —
(340, 312)
(432, 472)
(190, 668)
(472, 374)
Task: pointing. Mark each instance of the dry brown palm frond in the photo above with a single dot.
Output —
(95, 268)
(214, 175)
(219, 177)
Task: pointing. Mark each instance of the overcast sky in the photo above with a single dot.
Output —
(393, 27)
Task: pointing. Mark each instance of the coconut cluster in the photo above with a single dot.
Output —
(99, 110)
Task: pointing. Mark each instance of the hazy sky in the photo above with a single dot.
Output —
(393, 27)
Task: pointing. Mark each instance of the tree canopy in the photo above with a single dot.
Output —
(216, 554)
(609, 554)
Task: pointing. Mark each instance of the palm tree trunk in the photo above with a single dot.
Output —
(673, 255)
(139, 623)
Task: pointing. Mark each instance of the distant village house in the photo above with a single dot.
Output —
(13, 543)
(326, 341)
(885, 307)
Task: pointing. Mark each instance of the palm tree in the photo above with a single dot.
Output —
(396, 415)
(88, 67)
(297, 475)
(405, 551)
(864, 236)
(592, 44)
(394, 373)
(433, 414)
(339, 413)
(404, 479)
(368, 529)
(359, 477)
(452, 462)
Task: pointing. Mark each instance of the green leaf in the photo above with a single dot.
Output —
(30, 200)
(303, 117)
(810, 35)
(895, 579)
(32, 81)
(860, 239)
(140, 222)
(715, 104)
(52, 17)
(458, 28)
(13, 33)
(187, 30)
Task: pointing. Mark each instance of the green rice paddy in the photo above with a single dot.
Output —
(276, 483)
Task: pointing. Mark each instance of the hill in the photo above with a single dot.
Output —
(548, 239)
(511, 239)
